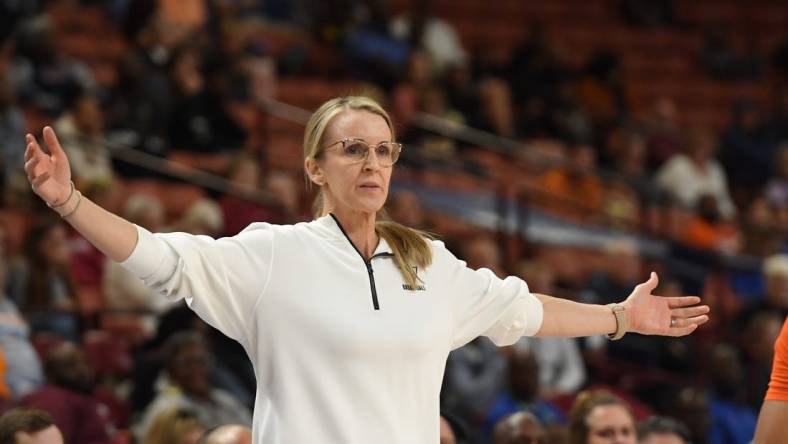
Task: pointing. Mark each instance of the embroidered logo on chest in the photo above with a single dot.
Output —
(417, 287)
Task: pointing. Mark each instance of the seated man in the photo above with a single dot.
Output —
(25, 426)
(69, 397)
(186, 385)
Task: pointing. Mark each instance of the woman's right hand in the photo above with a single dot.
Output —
(49, 174)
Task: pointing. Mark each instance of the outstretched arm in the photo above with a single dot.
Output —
(50, 177)
(645, 313)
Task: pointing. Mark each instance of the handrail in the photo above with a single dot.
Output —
(186, 173)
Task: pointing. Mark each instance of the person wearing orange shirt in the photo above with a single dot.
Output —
(774, 413)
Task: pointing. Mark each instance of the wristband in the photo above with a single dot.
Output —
(71, 193)
(621, 321)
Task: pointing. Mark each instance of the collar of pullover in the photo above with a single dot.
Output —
(329, 228)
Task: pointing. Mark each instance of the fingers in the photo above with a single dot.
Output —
(651, 283)
(685, 326)
(689, 312)
(30, 167)
(52, 143)
(683, 301)
(683, 331)
(32, 148)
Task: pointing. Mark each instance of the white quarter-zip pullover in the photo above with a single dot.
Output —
(343, 351)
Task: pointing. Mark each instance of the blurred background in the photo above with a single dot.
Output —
(577, 144)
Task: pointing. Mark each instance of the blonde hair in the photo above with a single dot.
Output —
(410, 247)
(170, 425)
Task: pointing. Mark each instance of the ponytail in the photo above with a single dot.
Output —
(410, 246)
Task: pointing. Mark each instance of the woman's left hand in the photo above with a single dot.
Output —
(667, 316)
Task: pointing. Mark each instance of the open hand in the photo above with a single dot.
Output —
(49, 174)
(667, 316)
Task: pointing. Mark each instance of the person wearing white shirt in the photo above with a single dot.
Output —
(348, 320)
(688, 177)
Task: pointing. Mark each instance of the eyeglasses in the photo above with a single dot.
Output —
(357, 151)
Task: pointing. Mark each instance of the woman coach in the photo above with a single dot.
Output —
(348, 320)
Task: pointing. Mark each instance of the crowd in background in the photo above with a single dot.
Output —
(111, 361)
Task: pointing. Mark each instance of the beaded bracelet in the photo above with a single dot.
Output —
(71, 193)
(79, 201)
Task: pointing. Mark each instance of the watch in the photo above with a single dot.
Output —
(620, 312)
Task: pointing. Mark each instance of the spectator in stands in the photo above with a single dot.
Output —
(187, 386)
(675, 217)
(42, 284)
(574, 190)
(234, 434)
(777, 188)
(288, 192)
(475, 374)
(123, 291)
(406, 208)
(732, 420)
(421, 29)
(538, 79)
(175, 426)
(23, 372)
(689, 176)
(519, 428)
(663, 430)
(408, 96)
(12, 13)
(692, 406)
(482, 251)
(202, 217)
(775, 298)
(663, 132)
(761, 332)
(373, 52)
(141, 110)
(200, 123)
(495, 114)
(238, 212)
(82, 128)
(28, 426)
(708, 230)
(522, 394)
(623, 266)
(12, 127)
(746, 148)
(460, 88)
(628, 153)
(602, 92)
(621, 206)
(599, 417)
(68, 397)
(43, 76)
(724, 62)
(761, 230)
(561, 366)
